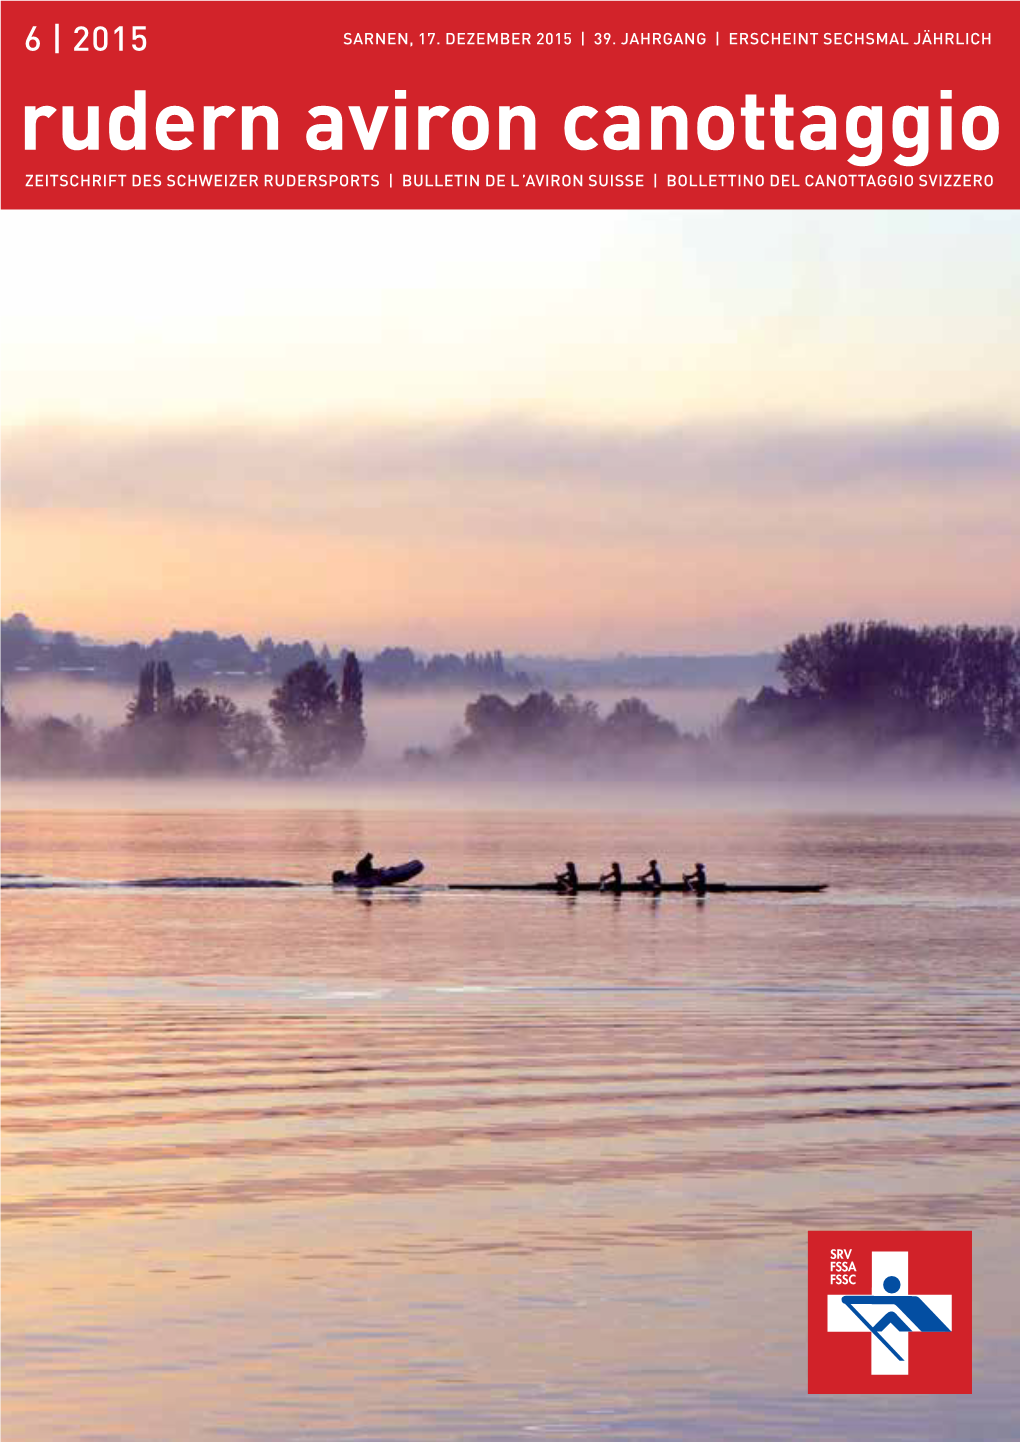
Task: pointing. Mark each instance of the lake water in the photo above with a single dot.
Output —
(428, 1166)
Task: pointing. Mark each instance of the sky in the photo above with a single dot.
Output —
(578, 432)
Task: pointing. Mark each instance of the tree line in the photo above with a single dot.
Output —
(854, 691)
(539, 725)
(312, 723)
(879, 685)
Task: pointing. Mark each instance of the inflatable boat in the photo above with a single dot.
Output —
(381, 876)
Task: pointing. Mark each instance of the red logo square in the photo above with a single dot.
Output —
(868, 1291)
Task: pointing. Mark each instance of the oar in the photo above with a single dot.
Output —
(847, 1303)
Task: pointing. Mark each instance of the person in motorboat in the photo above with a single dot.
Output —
(696, 880)
(367, 874)
(653, 876)
(568, 879)
(612, 880)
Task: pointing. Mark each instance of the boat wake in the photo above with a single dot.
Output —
(28, 881)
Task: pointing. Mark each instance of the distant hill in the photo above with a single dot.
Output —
(725, 672)
(203, 655)
(28, 649)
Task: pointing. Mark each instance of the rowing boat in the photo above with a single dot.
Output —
(713, 888)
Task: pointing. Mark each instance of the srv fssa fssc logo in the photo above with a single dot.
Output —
(869, 1291)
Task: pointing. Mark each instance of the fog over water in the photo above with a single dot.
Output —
(536, 791)
(908, 780)
(395, 721)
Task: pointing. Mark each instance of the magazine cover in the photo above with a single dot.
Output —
(511, 720)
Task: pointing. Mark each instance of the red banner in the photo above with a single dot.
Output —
(471, 104)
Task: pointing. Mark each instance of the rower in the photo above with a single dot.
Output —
(612, 880)
(696, 880)
(653, 876)
(568, 879)
(365, 868)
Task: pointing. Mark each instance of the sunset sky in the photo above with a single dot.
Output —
(575, 432)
